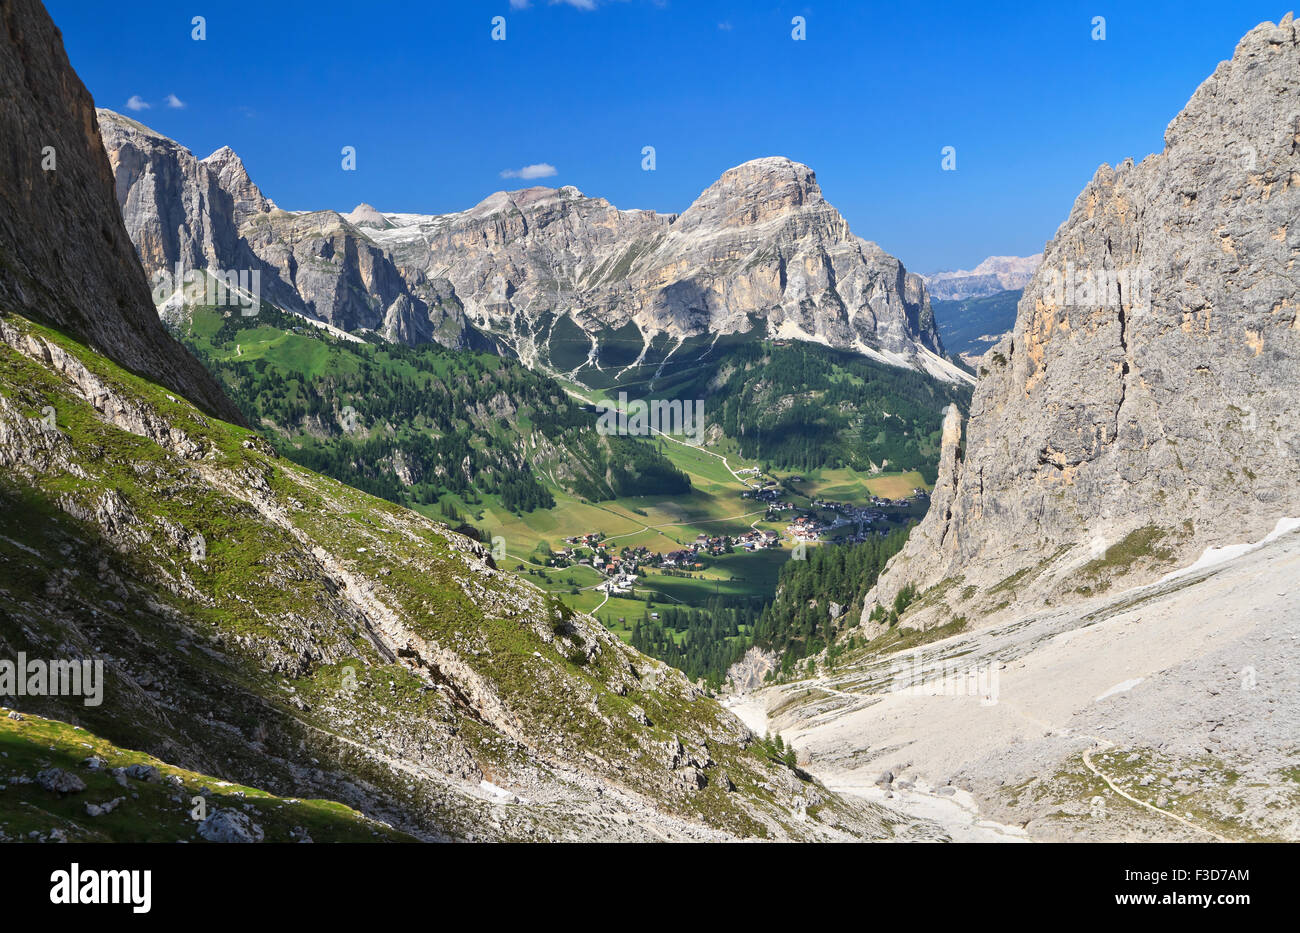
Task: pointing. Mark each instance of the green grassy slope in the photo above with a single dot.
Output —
(159, 806)
(324, 643)
(418, 425)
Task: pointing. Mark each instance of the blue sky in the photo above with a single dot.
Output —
(437, 110)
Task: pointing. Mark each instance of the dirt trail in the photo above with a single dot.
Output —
(1192, 678)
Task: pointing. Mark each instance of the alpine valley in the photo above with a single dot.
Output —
(454, 364)
(330, 504)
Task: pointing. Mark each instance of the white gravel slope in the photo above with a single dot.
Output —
(1187, 693)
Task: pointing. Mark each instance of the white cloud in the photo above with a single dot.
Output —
(174, 102)
(725, 27)
(136, 102)
(540, 170)
(576, 4)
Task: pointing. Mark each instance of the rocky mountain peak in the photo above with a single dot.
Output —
(234, 179)
(65, 258)
(537, 198)
(208, 214)
(1142, 408)
(363, 215)
(222, 156)
(753, 193)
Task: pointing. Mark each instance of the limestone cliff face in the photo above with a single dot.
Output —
(175, 207)
(1143, 407)
(759, 251)
(65, 258)
(208, 214)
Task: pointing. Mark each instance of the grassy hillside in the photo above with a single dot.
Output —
(277, 629)
(415, 425)
(151, 802)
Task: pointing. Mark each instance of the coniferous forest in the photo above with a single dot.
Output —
(417, 424)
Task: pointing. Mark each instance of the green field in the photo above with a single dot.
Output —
(661, 523)
(849, 485)
(668, 523)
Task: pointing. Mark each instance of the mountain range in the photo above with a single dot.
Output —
(566, 282)
(995, 274)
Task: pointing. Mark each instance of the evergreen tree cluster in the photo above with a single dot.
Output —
(805, 406)
(417, 424)
(797, 623)
(702, 642)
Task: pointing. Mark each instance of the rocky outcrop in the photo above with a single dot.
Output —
(995, 274)
(207, 214)
(751, 670)
(65, 258)
(363, 215)
(1142, 409)
(549, 272)
(174, 206)
(759, 251)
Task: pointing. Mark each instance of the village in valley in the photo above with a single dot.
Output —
(815, 521)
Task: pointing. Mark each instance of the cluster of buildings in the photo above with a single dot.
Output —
(569, 554)
(684, 559)
(769, 494)
(810, 528)
(620, 584)
(815, 528)
(621, 570)
(753, 540)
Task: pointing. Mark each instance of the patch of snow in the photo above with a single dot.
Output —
(937, 366)
(1119, 688)
(334, 331)
(1214, 556)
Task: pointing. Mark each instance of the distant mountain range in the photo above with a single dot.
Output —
(993, 275)
(568, 283)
